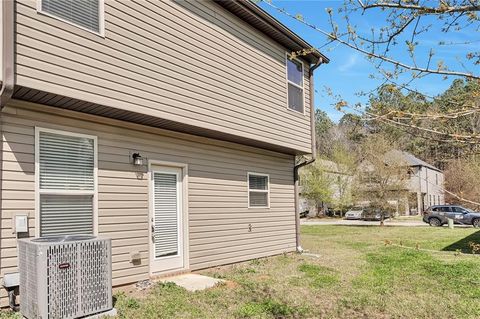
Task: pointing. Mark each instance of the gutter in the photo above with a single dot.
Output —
(8, 52)
(307, 162)
(257, 17)
(280, 27)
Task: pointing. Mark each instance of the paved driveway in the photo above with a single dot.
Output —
(388, 222)
(405, 223)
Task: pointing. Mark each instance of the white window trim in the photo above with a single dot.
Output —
(38, 191)
(294, 84)
(101, 18)
(258, 190)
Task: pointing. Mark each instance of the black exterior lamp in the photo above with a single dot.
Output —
(137, 159)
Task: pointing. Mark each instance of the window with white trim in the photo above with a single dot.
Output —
(295, 84)
(258, 190)
(66, 183)
(83, 13)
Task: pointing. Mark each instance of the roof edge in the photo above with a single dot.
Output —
(266, 23)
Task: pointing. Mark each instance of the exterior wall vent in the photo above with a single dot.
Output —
(65, 277)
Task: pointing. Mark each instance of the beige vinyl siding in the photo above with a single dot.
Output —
(186, 61)
(217, 190)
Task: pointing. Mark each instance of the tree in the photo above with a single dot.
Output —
(390, 102)
(393, 48)
(323, 125)
(354, 127)
(316, 185)
(461, 177)
(382, 175)
(345, 162)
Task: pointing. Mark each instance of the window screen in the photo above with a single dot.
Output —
(84, 13)
(258, 190)
(295, 85)
(295, 98)
(66, 184)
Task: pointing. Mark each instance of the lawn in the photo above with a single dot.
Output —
(360, 272)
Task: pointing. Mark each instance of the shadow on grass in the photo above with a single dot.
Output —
(463, 244)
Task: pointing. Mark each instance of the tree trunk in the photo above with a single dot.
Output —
(318, 210)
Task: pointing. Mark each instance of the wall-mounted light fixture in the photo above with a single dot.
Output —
(137, 159)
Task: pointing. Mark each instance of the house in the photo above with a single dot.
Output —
(170, 127)
(340, 184)
(425, 184)
(422, 186)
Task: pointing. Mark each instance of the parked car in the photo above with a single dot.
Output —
(354, 213)
(372, 213)
(330, 212)
(304, 214)
(438, 215)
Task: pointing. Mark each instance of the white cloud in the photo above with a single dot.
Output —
(351, 62)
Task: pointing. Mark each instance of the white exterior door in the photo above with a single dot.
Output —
(166, 219)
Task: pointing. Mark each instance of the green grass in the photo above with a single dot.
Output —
(409, 218)
(358, 274)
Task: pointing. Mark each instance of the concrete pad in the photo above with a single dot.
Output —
(193, 282)
(106, 314)
(110, 313)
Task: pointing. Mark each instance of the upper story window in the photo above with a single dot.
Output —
(295, 84)
(258, 190)
(66, 182)
(87, 14)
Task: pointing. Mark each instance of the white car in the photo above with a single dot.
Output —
(354, 213)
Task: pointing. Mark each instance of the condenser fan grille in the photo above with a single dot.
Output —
(65, 277)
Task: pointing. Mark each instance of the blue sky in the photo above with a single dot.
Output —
(348, 72)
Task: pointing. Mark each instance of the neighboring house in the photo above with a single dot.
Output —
(340, 182)
(170, 127)
(426, 184)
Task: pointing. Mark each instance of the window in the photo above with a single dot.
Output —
(65, 167)
(258, 190)
(295, 90)
(457, 209)
(87, 14)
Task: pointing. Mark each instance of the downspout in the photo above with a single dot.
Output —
(7, 86)
(307, 162)
(8, 50)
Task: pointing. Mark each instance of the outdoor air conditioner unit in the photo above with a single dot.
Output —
(65, 277)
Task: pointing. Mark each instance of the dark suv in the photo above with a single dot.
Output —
(438, 215)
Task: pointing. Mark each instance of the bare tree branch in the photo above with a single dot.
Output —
(442, 9)
(370, 54)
